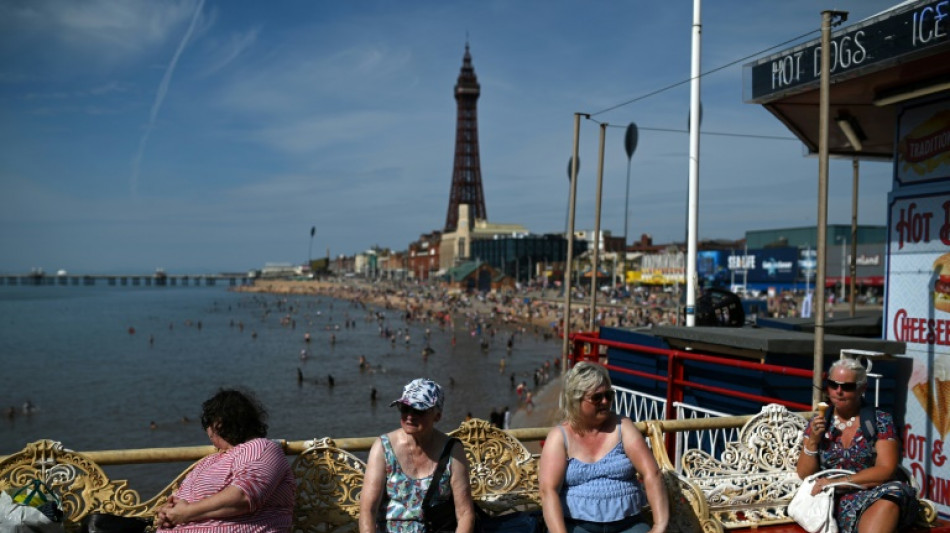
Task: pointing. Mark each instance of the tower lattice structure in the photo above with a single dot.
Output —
(467, 171)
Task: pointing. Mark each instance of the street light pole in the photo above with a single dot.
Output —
(630, 146)
(824, 88)
(854, 234)
(313, 230)
(572, 197)
(843, 257)
(595, 267)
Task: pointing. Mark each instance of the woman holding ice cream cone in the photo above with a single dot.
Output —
(885, 504)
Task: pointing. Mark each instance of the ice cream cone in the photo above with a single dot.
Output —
(943, 404)
(822, 409)
(926, 399)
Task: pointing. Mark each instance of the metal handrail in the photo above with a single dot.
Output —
(295, 447)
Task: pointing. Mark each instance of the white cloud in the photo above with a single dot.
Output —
(222, 54)
(94, 31)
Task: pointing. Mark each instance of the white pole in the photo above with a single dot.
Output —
(694, 120)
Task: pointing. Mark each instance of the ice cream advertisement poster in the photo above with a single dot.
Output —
(917, 312)
(923, 143)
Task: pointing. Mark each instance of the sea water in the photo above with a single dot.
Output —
(95, 367)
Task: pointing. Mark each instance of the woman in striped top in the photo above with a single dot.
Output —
(247, 487)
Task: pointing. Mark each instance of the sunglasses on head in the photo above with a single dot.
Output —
(407, 410)
(846, 386)
(598, 397)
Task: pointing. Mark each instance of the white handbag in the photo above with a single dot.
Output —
(816, 513)
(18, 518)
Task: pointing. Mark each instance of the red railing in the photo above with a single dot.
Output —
(587, 348)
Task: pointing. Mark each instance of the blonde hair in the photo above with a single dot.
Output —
(578, 381)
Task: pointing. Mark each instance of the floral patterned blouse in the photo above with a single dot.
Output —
(404, 494)
(859, 455)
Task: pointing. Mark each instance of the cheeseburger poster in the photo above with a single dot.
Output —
(917, 303)
(917, 312)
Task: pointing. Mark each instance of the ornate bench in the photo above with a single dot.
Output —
(753, 479)
(504, 477)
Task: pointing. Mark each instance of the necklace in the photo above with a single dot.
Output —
(841, 424)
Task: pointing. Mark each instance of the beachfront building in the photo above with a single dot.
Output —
(610, 256)
(476, 276)
(456, 246)
(423, 256)
(525, 257)
(785, 259)
(393, 265)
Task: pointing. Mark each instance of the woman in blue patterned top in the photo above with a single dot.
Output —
(886, 504)
(402, 463)
(590, 461)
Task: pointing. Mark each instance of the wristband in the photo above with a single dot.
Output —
(808, 452)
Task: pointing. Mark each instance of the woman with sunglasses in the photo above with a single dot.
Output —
(885, 504)
(590, 461)
(402, 463)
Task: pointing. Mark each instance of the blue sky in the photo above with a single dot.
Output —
(202, 136)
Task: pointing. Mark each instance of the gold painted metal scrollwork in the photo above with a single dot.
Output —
(689, 512)
(329, 480)
(80, 483)
(504, 474)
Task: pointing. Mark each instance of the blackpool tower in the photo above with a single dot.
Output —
(466, 172)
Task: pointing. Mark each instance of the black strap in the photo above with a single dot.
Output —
(869, 419)
(437, 475)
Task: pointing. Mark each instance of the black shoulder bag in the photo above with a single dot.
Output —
(439, 517)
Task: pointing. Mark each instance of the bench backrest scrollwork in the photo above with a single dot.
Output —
(81, 484)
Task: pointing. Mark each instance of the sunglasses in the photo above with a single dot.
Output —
(405, 410)
(599, 397)
(847, 386)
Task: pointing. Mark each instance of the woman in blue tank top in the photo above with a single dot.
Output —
(590, 461)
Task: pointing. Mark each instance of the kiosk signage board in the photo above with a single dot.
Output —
(923, 143)
(874, 43)
(917, 303)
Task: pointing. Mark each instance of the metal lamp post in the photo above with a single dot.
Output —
(313, 231)
(630, 146)
(572, 169)
(843, 257)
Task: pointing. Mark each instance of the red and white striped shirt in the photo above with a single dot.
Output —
(259, 468)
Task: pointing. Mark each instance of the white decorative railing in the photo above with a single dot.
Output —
(641, 406)
(710, 440)
(638, 406)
